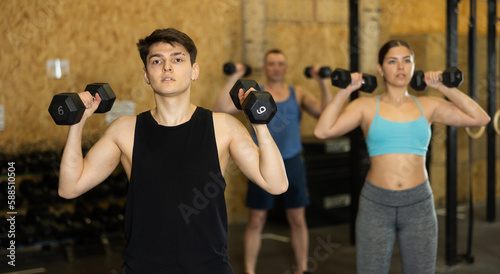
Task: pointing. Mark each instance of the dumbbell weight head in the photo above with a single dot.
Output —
(307, 72)
(341, 78)
(259, 107)
(66, 108)
(417, 81)
(72, 224)
(369, 83)
(245, 85)
(248, 70)
(41, 219)
(230, 68)
(324, 72)
(25, 232)
(115, 214)
(105, 92)
(452, 77)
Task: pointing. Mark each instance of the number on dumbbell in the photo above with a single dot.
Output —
(261, 110)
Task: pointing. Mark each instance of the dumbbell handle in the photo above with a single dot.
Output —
(440, 77)
(348, 78)
(324, 72)
(245, 85)
(451, 77)
(342, 78)
(81, 95)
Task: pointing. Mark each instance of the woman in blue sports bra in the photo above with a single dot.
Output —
(396, 199)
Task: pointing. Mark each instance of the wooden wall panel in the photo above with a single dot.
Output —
(290, 10)
(428, 16)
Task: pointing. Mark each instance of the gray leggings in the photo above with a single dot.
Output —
(384, 214)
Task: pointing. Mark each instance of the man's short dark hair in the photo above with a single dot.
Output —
(170, 36)
(273, 51)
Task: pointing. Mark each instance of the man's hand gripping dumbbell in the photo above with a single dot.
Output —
(259, 106)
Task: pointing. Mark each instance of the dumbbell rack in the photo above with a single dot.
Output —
(46, 221)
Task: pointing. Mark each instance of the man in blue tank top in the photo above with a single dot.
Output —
(285, 129)
(174, 156)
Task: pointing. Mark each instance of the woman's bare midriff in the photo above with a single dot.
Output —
(397, 171)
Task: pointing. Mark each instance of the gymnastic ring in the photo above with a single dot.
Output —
(476, 135)
(495, 122)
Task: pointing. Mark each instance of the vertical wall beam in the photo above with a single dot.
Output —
(354, 36)
(364, 38)
(254, 33)
(492, 89)
(369, 35)
(472, 83)
(451, 141)
(355, 136)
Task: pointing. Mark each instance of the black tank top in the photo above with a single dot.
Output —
(175, 216)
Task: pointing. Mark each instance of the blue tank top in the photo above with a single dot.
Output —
(285, 126)
(385, 137)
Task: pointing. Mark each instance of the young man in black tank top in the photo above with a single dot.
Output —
(174, 156)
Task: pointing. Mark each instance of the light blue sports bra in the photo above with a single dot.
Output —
(385, 137)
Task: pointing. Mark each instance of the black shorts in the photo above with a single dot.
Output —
(296, 195)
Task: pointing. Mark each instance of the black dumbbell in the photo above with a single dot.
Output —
(342, 78)
(324, 72)
(452, 77)
(68, 108)
(119, 184)
(73, 225)
(42, 219)
(230, 68)
(116, 216)
(25, 232)
(259, 106)
(34, 192)
(83, 214)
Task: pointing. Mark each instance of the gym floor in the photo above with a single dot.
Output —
(330, 250)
